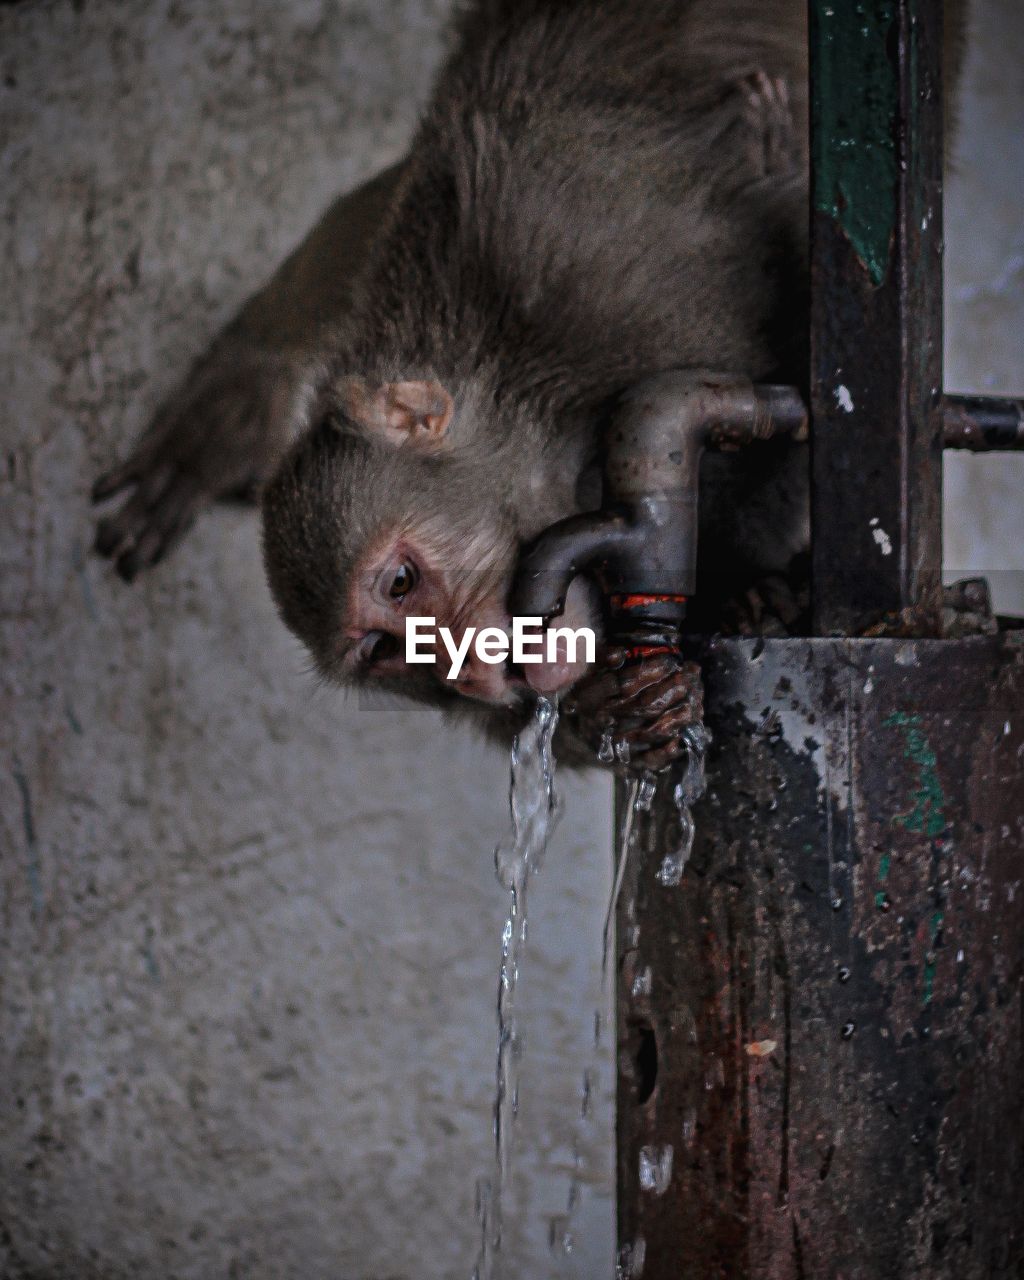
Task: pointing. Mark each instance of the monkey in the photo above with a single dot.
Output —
(597, 191)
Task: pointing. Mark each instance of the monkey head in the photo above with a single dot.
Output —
(403, 502)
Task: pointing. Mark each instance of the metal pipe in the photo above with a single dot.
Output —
(642, 547)
(982, 424)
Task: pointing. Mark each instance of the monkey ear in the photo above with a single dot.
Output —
(417, 412)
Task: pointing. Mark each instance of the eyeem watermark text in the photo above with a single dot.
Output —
(527, 643)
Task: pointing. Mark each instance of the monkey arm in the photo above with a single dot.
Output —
(222, 432)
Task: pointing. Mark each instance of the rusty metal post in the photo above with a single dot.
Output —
(876, 314)
(821, 1028)
(821, 1047)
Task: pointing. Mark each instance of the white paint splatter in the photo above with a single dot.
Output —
(642, 982)
(882, 539)
(655, 1168)
(843, 398)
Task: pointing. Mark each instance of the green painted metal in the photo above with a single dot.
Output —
(927, 798)
(854, 106)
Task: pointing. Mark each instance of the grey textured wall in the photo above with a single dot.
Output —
(984, 507)
(249, 928)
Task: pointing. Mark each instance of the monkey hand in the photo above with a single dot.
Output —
(631, 714)
(773, 139)
(220, 435)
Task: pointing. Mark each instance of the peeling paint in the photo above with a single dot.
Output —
(855, 171)
(761, 1048)
(880, 536)
(926, 812)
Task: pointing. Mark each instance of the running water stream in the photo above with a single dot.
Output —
(534, 812)
(685, 795)
(640, 796)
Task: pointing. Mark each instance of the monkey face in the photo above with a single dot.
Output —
(383, 515)
(420, 582)
(454, 585)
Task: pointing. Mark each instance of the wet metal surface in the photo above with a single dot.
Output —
(820, 1028)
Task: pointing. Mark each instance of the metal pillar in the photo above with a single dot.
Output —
(876, 313)
(820, 1029)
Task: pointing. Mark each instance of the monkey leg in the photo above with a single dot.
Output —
(223, 431)
(641, 707)
(775, 605)
(966, 611)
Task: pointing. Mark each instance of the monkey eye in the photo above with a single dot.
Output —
(376, 646)
(403, 582)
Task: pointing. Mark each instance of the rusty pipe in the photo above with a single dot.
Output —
(982, 424)
(641, 548)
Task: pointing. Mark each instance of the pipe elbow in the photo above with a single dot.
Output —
(575, 545)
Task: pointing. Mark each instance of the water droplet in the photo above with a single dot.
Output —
(622, 752)
(606, 750)
(645, 793)
(843, 973)
(837, 904)
(848, 1029)
(642, 982)
(631, 1259)
(687, 792)
(655, 1171)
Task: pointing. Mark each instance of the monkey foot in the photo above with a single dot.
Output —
(631, 714)
(774, 148)
(219, 436)
(776, 605)
(966, 611)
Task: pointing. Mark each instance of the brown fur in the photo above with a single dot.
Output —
(593, 196)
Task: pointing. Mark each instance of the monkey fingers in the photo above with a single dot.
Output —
(644, 706)
(606, 690)
(665, 727)
(114, 532)
(655, 689)
(219, 436)
(154, 520)
(655, 759)
(774, 146)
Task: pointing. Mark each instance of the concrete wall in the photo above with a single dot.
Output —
(250, 928)
(984, 507)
